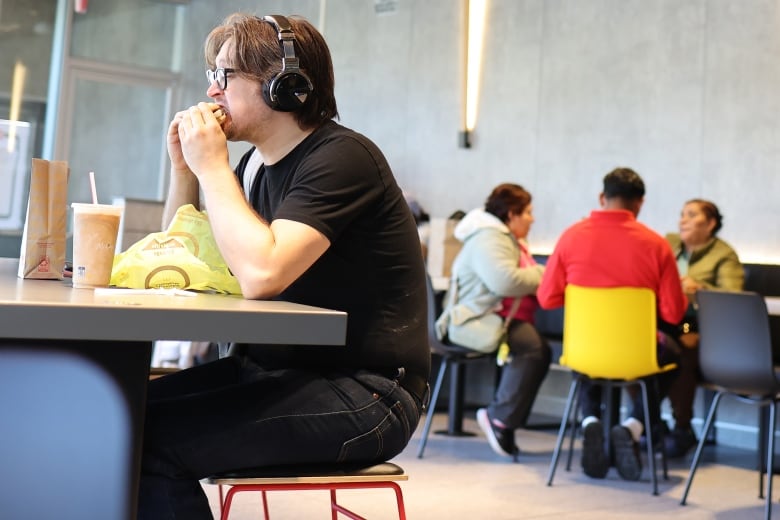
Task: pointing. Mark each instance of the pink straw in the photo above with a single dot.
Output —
(92, 185)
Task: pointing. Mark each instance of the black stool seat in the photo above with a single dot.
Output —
(312, 472)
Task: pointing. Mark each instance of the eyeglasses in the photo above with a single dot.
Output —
(219, 76)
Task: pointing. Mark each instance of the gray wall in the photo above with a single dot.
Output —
(684, 92)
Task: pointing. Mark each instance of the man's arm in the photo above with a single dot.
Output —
(672, 301)
(183, 188)
(731, 274)
(265, 258)
(553, 287)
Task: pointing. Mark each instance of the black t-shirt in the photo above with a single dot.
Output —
(338, 182)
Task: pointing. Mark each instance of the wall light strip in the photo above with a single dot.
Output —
(476, 37)
(17, 91)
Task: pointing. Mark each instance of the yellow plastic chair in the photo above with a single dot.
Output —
(609, 338)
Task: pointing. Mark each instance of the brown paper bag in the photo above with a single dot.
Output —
(43, 239)
(443, 247)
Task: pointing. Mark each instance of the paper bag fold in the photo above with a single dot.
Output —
(43, 240)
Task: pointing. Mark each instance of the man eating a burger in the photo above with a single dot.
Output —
(311, 214)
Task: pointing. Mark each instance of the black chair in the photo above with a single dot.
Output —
(66, 437)
(763, 279)
(453, 357)
(735, 354)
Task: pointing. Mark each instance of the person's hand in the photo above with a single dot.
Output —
(202, 142)
(174, 145)
(689, 285)
(689, 339)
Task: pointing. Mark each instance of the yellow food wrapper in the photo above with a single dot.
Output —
(184, 256)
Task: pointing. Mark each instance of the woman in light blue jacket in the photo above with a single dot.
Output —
(493, 276)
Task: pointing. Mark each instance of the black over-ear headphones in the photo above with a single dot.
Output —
(288, 90)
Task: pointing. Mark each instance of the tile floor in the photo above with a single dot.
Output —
(461, 478)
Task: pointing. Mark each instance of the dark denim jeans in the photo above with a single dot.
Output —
(522, 376)
(231, 414)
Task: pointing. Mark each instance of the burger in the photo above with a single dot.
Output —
(219, 113)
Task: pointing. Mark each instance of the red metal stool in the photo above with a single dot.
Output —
(297, 478)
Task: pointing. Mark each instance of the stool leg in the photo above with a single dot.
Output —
(266, 516)
(333, 506)
(399, 499)
(228, 501)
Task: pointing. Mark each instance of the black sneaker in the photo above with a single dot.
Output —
(656, 437)
(626, 450)
(595, 462)
(502, 440)
(679, 442)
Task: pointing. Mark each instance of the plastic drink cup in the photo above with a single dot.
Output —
(95, 230)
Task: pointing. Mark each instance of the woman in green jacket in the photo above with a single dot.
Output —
(704, 262)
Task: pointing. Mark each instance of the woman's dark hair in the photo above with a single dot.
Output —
(711, 211)
(506, 198)
(256, 53)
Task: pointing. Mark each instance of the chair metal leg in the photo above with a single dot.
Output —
(763, 442)
(572, 436)
(702, 441)
(573, 389)
(575, 423)
(456, 398)
(432, 407)
(649, 436)
(661, 436)
(708, 394)
(770, 459)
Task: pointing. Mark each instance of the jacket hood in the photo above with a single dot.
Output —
(477, 220)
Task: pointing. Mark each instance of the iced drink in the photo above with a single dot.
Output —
(95, 229)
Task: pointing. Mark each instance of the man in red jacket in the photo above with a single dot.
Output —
(611, 248)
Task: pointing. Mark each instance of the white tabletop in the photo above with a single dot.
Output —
(52, 309)
(773, 305)
(440, 283)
